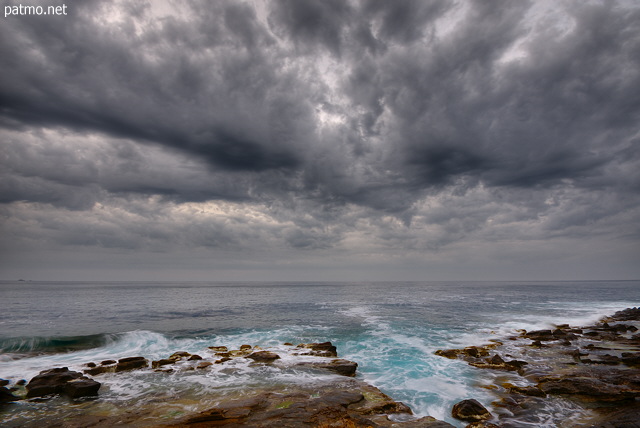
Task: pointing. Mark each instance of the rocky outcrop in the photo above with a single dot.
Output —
(588, 364)
(62, 381)
(349, 403)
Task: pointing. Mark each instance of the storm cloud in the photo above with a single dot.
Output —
(321, 140)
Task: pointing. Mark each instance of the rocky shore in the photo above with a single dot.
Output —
(334, 399)
(595, 367)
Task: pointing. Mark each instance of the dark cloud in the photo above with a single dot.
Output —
(379, 127)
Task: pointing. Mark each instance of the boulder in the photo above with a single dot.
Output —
(263, 356)
(131, 363)
(470, 411)
(61, 381)
(81, 387)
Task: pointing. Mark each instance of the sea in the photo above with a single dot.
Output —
(391, 329)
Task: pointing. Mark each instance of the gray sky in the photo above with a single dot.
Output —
(321, 140)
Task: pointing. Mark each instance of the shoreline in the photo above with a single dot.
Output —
(595, 368)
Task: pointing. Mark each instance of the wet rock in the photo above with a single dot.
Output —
(222, 360)
(540, 335)
(263, 356)
(629, 314)
(470, 411)
(340, 366)
(204, 364)
(482, 425)
(6, 396)
(245, 347)
(496, 359)
(475, 351)
(107, 362)
(194, 357)
(82, 387)
(627, 417)
(59, 381)
(631, 359)
(177, 356)
(341, 404)
(589, 387)
(219, 348)
(324, 349)
(163, 362)
(452, 354)
(131, 363)
(531, 391)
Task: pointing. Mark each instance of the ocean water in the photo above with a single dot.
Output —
(390, 328)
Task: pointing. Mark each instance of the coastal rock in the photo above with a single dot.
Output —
(81, 387)
(589, 387)
(629, 314)
(324, 349)
(6, 396)
(341, 404)
(176, 356)
(106, 366)
(470, 411)
(263, 356)
(131, 363)
(452, 354)
(340, 366)
(61, 381)
(531, 391)
(162, 362)
(540, 335)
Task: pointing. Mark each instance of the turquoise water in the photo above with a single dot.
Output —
(391, 329)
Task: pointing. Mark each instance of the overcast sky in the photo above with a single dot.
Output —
(321, 140)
